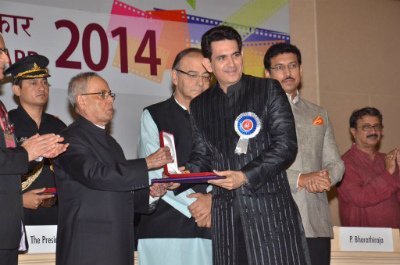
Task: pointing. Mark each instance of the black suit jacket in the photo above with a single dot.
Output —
(95, 183)
(13, 163)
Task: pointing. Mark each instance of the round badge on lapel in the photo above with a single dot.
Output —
(247, 125)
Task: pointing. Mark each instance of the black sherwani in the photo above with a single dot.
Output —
(26, 127)
(13, 163)
(264, 209)
(96, 202)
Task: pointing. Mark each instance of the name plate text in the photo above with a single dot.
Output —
(366, 239)
(41, 238)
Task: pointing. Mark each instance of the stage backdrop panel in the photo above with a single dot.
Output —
(132, 44)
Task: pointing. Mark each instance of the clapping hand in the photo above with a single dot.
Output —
(46, 145)
(391, 160)
(315, 182)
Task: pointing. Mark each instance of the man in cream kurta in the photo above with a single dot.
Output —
(318, 166)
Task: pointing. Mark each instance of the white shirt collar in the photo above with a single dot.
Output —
(183, 107)
(295, 99)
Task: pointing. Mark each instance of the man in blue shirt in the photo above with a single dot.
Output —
(178, 231)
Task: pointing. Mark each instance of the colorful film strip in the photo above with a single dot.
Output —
(171, 36)
(174, 31)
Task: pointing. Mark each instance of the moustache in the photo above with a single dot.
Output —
(372, 136)
(288, 78)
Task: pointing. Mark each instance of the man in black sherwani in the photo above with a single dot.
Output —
(95, 182)
(243, 127)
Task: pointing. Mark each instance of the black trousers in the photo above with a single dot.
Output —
(8, 256)
(320, 250)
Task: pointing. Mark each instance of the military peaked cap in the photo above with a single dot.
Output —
(32, 66)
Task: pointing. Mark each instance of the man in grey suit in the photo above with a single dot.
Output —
(318, 165)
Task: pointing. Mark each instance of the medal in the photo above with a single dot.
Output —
(247, 125)
(7, 127)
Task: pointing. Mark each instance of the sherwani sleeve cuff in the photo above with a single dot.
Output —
(140, 174)
(14, 161)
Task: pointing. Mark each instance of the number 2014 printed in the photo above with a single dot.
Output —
(64, 61)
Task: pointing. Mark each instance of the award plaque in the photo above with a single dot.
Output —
(171, 169)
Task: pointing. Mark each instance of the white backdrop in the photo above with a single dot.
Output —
(76, 36)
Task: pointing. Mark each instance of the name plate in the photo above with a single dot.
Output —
(41, 238)
(365, 239)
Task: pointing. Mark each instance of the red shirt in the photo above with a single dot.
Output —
(369, 195)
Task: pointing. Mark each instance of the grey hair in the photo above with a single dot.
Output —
(78, 85)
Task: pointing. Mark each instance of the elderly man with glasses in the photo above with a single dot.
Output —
(180, 224)
(96, 183)
(369, 194)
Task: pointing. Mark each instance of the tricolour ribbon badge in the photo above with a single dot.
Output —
(247, 126)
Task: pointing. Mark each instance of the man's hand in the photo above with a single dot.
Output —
(56, 151)
(159, 158)
(205, 222)
(33, 199)
(391, 159)
(315, 181)
(158, 189)
(201, 209)
(48, 145)
(173, 185)
(232, 180)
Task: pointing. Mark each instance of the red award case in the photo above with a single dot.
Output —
(171, 169)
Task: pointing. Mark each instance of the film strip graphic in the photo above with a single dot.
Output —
(198, 25)
(174, 31)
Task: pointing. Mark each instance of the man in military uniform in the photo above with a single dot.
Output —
(31, 87)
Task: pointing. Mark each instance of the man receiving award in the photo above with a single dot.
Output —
(243, 128)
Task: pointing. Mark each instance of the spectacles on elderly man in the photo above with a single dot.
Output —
(103, 94)
(3, 50)
(194, 76)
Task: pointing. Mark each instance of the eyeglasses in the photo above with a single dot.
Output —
(103, 94)
(3, 50)
(281, 67)
(195, 76)
(368, 127)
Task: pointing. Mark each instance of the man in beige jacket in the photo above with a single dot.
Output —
(318, 166)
